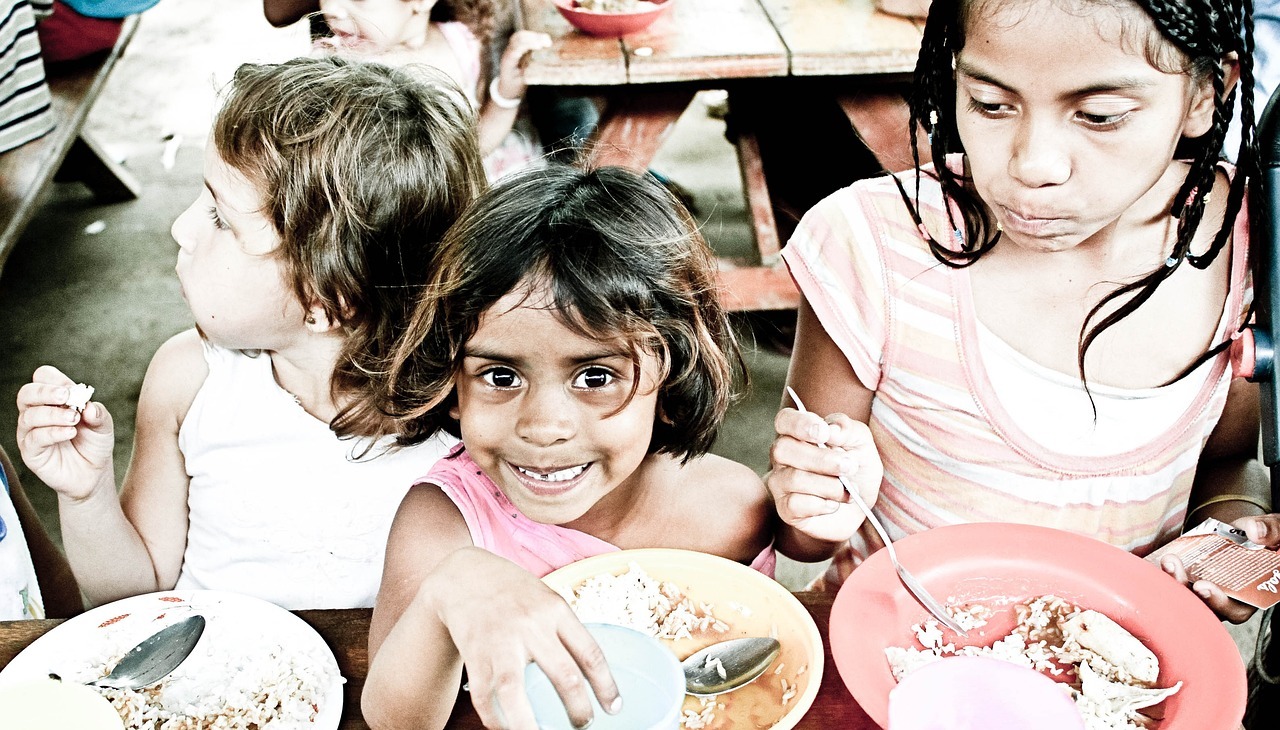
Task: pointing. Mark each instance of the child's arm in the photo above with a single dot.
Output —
(286, 12)
(496, 119)
(443, 602)
(1229, 467)
(57, 584)
(131, 543)
(816, 512)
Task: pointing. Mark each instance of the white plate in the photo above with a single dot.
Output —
(239, 629)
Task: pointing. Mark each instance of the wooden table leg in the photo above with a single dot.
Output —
(88, 163)
(634, 125)
(882, 120)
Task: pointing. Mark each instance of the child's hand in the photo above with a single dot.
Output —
(501, 618)
(807, 456)
(1263, 530)
(69, 451)
(510, 73)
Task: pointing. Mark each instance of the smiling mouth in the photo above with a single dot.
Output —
(555, 475)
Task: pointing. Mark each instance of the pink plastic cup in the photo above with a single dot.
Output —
(977, 693)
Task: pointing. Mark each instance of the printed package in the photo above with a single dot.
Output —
(1221, 554)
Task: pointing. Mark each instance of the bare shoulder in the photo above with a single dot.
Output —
(175, 375)
(427, 527)
(428, 518)
(726, 508)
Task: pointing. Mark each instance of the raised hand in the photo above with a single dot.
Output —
(69, 451)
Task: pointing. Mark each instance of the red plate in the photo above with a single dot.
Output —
(1000, 564)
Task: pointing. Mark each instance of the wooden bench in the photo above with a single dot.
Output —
(65, 154)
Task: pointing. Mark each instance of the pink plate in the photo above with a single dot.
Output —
(1001, 564)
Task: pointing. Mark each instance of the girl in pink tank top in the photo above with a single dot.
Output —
(573, 339)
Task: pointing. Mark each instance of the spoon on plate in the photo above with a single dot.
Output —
(909, 581)
(728, 665)
(155, 656)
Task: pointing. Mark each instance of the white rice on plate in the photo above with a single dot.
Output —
(238, 678)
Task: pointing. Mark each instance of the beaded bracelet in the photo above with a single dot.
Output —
(1266, 508)
(502, 101)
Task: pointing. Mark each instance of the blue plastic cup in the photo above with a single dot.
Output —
(648, 676)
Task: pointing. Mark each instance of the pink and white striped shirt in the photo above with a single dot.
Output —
(951, 452)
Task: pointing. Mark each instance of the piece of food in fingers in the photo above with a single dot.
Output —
(79, 396)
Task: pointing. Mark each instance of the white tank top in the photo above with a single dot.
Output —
(279, 508)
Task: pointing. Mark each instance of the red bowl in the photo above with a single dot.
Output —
(611, 25)
(999, 564)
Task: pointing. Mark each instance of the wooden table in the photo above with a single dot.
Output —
(760, 51)
(346, 632)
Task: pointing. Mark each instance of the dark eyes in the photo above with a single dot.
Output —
(995, 110)
(589, 379)
(501, 377)
(594, 377)
(1103, 121)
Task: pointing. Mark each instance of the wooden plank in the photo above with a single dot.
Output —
(574, 58)
(755, 288)
(699, 40)
(763, 226)
(844, 37)
(26, 171)
(635, 123)
(882, 120)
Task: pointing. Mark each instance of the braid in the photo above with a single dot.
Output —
(932, 104)
(1206, 31)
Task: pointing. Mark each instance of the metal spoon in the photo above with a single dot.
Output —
(728, 665)
(155, 657)
(909, 581)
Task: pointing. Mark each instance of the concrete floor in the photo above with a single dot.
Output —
(97, 303)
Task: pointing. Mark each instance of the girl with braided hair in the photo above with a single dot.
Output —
(1035, 329)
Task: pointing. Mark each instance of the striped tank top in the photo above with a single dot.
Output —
(952, 453)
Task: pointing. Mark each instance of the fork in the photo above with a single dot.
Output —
(909, 581)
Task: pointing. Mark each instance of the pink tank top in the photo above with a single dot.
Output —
(497, 526)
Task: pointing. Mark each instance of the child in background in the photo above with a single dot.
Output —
(453, 36)
(573, 339)
(1035, 330)
(257, 465)
(35, 580)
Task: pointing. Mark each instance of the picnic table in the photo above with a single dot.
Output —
(764, 53)
(68, 153)
(346, 632)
